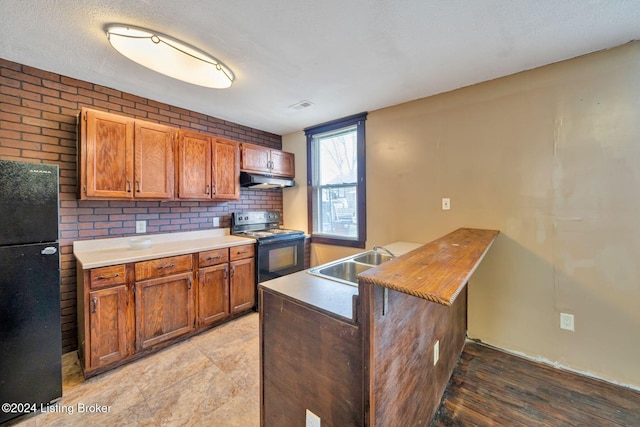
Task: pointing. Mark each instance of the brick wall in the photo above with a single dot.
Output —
(38, 124)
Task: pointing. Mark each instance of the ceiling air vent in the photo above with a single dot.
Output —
(300, 105)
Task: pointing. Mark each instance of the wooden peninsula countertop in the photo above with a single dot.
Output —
(437, 271)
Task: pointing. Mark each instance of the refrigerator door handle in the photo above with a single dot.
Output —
(49, 250)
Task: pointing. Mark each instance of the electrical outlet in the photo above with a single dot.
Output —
(566, 321)
(216, 221)
(312, 419)
(446, 203)
(141, 226)
(436, 352)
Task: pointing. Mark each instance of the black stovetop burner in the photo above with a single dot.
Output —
(263, 226)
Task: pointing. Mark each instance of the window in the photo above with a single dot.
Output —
(336, 182)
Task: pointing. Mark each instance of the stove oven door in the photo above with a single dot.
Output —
(279, 258)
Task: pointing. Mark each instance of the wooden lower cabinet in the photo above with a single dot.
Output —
(243, 278)
(164, 309)
(243, 285)
(213, 294)
(128, 310)
(108, 315)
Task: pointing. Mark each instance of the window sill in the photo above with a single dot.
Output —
(337, 242)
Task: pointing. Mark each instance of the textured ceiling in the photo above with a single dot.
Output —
(344, 56)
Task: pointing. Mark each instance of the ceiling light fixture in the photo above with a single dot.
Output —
(169, 56)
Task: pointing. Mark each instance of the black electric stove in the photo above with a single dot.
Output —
(279, 251)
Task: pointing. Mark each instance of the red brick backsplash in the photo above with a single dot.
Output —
(38, 112)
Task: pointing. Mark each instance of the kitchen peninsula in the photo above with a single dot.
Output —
(374, 355)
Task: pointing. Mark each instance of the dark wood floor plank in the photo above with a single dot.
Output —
(490, 388)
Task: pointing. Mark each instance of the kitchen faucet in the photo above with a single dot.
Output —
(383, 249)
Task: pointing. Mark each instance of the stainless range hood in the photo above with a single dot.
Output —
(258, 181)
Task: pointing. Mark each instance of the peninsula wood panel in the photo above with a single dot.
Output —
(320, 370)
(402, 385)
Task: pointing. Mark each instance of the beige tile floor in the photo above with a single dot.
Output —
(211, 379)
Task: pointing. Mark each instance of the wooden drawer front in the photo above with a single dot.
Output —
(163, 267)
(216, 256)
(107, 276)
(244, 251)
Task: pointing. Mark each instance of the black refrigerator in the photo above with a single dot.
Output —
(30, 331)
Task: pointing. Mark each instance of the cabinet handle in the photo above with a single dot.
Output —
(214, 189)
(226, 272)
(160, 267)
(233, 270)
(190, 283)
(138, 185)
(214, 257)
(208, 188)
(95, 304)
(244, 251)
(108, 277)
(128, 186)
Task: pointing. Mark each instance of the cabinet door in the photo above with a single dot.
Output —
(108, 325)
(243, 285)
(255, 158)
(283, 163)
(194, 166)
(107, 156)
(226, 161)
(153, 161)
(213, 294)
(164, 309)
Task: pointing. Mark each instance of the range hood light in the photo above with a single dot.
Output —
(169, 56)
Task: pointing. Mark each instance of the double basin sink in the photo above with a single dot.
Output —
(346, 270)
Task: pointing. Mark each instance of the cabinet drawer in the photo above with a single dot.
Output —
(163, 267)
(243, 251)
(216, 256)
(107, 276)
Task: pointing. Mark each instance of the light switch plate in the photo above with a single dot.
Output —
(216, 221)
(446, 203)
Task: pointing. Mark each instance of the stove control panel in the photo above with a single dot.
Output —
(247, 218)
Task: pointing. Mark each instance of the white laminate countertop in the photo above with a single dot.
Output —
(104, 252)
(327, 295)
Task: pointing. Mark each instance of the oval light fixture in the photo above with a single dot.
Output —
(169, 56)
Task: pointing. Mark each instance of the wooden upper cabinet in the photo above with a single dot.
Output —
(208, 168)
(283, 163)
(153, 148)
(256, 158)
(106, 155)
(194, 165)
(226, 161)
(123, 158)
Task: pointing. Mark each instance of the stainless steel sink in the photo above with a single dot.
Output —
(346, 270)
(372, 258)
